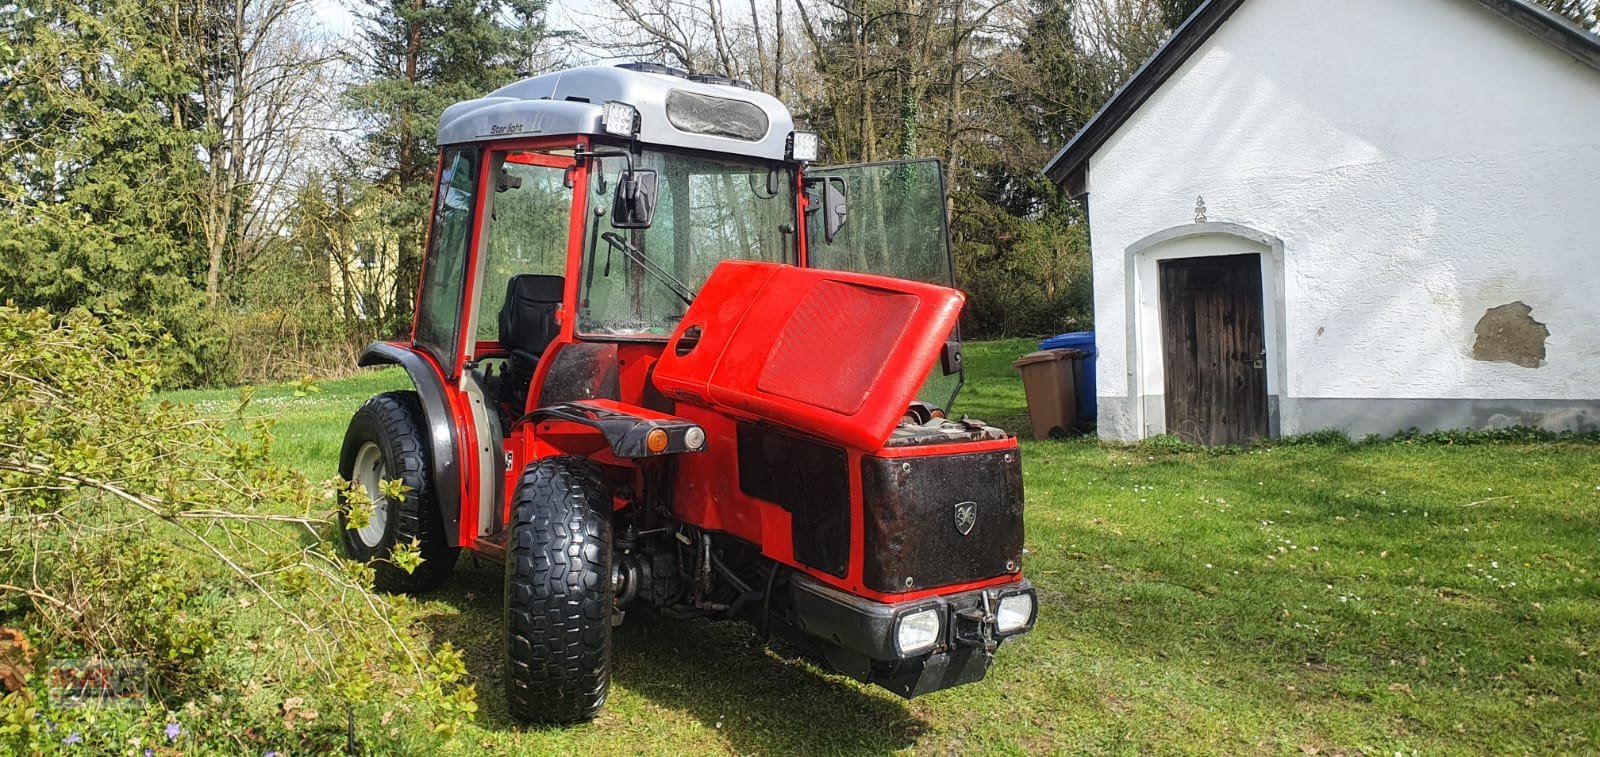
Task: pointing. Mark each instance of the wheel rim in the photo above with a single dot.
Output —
(370, 471)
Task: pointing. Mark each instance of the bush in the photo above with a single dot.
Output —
(1328, 437)
(285, 318)
(135, 529)
(1023, 276)
(280, 344)
(1333, 438)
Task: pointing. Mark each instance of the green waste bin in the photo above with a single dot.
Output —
(1052, 401)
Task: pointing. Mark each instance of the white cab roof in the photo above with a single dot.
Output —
(572, 102)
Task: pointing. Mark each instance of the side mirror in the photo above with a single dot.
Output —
(505, 180)
(634, 204)
(834, 206)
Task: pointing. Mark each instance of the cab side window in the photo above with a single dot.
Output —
(444, 267)
(530, 211)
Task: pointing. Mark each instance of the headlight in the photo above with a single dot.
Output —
(917, 631)
(694, 438)
(621, 118)
(1014, 613)
(803, 146)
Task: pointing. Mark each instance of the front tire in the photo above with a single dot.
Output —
(558, 594)
(386, 441)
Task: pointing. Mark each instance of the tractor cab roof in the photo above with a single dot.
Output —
(674, 109)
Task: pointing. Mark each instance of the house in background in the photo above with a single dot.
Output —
(1368, 215)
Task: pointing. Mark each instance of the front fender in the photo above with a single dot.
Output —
(625, 427)
(430, 386)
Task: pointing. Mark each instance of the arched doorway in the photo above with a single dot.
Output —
(1206, 332)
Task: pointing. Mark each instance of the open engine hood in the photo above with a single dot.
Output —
(833, 355)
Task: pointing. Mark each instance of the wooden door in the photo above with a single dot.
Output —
(1213, 343)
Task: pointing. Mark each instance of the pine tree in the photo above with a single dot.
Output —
(98, 170)
(422, 56)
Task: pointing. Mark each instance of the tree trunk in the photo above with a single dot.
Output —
(953, 111)
(869, 136)
(777, 54)
(906, 83)
(408, 261)
(730, 69)
(761, 79)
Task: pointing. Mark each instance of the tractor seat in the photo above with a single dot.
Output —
(527, 327)
(528, 316)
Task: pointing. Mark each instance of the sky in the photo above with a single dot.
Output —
(336, 19)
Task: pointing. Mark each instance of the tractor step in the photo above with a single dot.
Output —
(493, 546)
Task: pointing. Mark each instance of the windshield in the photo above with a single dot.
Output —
(637, 282)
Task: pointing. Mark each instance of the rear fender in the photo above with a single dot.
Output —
(430, 386)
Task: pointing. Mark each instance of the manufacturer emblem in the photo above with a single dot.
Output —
(966, 517)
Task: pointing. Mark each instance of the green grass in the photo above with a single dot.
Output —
(308, 429)
(1327, 598)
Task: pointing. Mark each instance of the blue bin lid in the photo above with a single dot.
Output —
(1080, 340)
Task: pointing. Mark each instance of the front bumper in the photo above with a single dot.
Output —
(858, 636)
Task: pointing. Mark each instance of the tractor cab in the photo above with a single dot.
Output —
(660, 360)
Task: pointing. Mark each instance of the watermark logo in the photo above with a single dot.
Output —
(115, 682)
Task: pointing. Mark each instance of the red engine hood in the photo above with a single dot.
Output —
(833, 355)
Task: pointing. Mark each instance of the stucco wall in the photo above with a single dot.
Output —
(1420, 161)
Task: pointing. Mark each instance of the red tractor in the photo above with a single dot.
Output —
(660, 362)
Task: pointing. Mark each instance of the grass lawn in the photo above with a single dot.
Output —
(1396, 597)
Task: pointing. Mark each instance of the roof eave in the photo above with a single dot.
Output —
(1550, 27)
(1069, 166)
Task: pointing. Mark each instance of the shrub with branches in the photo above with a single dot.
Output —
(131, 528)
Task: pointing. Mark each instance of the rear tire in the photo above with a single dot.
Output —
(386, 441)
(558, 594)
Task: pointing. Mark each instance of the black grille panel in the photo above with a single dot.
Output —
(913, 538)
(809, 479)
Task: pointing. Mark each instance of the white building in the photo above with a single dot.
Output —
(1369, 215)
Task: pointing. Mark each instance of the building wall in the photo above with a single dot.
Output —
(1418, 162)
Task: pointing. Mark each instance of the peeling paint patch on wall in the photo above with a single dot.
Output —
(1509, 334)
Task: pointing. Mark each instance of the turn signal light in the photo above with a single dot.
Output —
(656, 441)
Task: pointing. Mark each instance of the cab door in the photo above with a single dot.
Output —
(886, 219)
(524, 218)
(497, 213)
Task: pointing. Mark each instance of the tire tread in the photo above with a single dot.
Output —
(558, 593)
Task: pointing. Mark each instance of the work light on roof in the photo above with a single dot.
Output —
(803, 146)
(621, 119)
